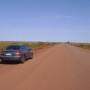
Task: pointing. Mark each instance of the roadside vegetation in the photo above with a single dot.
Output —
(82, 45)
(3, 44)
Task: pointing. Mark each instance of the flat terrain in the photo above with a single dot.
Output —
(61, 67)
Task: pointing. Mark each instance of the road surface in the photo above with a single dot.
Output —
(61, 67)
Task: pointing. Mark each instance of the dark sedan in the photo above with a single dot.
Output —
(16, 53)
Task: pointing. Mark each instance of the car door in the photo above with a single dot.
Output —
(25, 51)
(30, 52)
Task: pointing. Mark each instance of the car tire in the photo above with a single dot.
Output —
(22, 60)
(31, 56)
(1, 61)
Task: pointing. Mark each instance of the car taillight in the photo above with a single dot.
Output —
(18, 53)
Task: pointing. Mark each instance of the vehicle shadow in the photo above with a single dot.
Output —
(9, 62)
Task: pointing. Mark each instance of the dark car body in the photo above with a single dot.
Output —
(16, 53)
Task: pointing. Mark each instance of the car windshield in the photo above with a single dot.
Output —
(13, 48)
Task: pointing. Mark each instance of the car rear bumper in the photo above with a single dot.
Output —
(10, 58)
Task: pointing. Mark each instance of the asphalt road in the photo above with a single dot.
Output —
(61, 67)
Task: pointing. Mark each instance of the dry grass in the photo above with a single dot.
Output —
(82, 45)
(3, 44)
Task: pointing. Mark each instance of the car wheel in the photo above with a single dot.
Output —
(31, 56)
(1, 61)
(22, 60)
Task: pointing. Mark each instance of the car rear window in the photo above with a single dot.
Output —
(13, 48)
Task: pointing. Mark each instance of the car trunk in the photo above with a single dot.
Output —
(9, 53)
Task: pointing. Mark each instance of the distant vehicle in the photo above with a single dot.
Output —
(16, 53)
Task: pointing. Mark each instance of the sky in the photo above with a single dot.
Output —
(45, 20)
